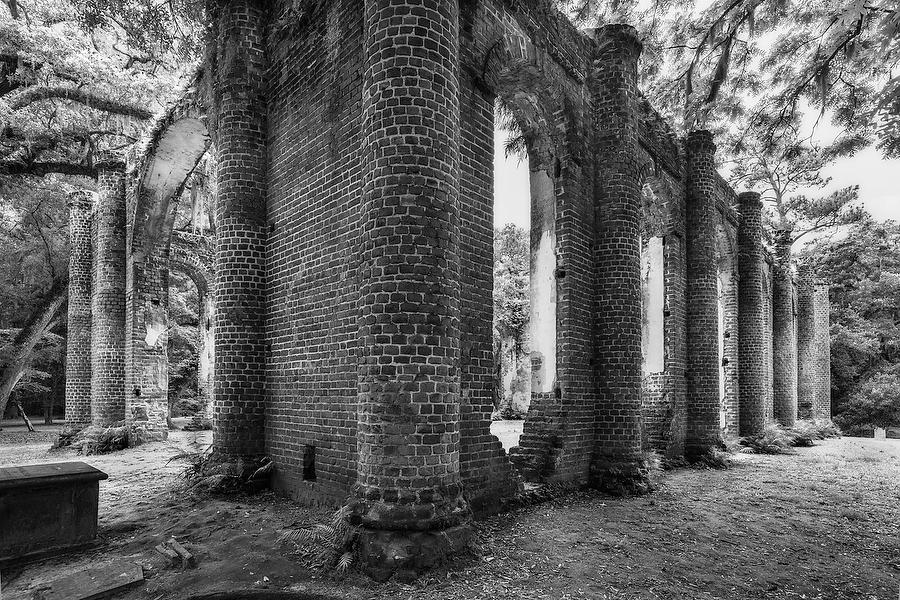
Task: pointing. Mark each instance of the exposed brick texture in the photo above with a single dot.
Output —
(408, 475)
(784, 338)
(78, 340)
(486, 472)
(807, 359)
(617, 250)
(813, 347)
(701, 296)
(753, 335)
(822, 307)
(108, 296)
(240, 114)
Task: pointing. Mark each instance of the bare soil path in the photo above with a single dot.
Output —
(820, 524)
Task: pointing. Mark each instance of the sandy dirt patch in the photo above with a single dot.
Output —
(820, 524)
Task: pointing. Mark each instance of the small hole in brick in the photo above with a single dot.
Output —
(667, 313)
(309, 463)
(271, 227)
(558, 392)
(560, 273)
(137, 392)
(724, 362)
(155, 301)
(727, 335)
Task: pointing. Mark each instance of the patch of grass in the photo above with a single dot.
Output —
(817, 429)
(773, 440)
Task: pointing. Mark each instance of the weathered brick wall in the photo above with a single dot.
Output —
(239, 107)
(784, 339)
(618, 212)
(108, 296)
(768, 283)
(485, 469)
(753, 335)
(663, 394)
(807, 359)
(314, 227)
(701, 297)
(78, 338)
(822, 341)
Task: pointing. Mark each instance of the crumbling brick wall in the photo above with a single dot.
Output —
(108, 296)
(78, 337)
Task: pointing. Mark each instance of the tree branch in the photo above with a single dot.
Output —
(40, 169)
(38, 93)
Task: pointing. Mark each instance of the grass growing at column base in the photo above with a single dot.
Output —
(626, 477)
(776, 439)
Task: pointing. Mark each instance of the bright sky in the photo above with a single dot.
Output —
(878, 180)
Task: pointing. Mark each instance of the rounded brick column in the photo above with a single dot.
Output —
(703, 431)
(408, 497)
(821, 409)
(108, 296)
(752, 339)
(784, 340)
(240, 347)
(78, 338)
(807, 356)
(618, 466)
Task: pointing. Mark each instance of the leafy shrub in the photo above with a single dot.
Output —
(328, 546)
(773, 440)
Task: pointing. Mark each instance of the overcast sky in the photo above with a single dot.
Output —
(878, 180)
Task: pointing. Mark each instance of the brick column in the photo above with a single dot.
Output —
(784, 341)
(240, 348)
(703, 432)
(108, 296)
(752, 339)
(408, 498)
(807, 359)
(78, 339)
(821, 409)
(618, 466)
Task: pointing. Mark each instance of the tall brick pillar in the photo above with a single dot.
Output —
(821, 409)
(407, 500)
(784, 341)
(618, 465)
(108, 296)
(703, 431)
(78, 339)
(240, 347)
(752, 339)
(807, 358)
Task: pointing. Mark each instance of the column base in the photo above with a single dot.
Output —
(708, 455)
(405, 555)
(621, 476)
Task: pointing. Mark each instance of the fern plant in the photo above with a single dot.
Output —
(329, 546)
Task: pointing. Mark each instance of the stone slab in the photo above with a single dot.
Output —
(92, 584)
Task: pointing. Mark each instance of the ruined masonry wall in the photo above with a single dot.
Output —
(78, 339)
(108, 298)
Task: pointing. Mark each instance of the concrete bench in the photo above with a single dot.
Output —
(46, 508)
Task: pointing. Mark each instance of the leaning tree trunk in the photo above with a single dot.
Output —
(40, 322)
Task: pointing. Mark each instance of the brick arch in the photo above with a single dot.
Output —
(727, 265)
(192, 254)
(160, 167)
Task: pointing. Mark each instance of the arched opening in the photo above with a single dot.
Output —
(727, 285)
(513, 289)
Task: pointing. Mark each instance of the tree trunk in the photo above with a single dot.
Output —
(23, 415)
(40, 322)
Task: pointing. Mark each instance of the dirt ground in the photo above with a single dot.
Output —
(820, 524)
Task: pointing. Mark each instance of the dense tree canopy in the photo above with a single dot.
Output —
(863, 267)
